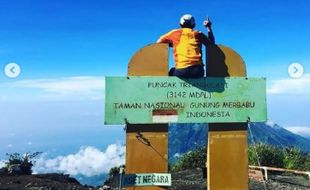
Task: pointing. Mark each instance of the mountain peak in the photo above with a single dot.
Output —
(267, 132)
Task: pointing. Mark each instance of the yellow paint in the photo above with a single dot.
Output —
(227, 161)
(151, 60)
(144, 158)
(223, 61)
(147, 145)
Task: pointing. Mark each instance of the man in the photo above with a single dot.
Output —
(186, 43)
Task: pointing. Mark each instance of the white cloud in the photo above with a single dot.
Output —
(290, 86)
(300, 130)
(77, 88)
(2, 163)
(89, 161)
(81, 84)
(9, 145)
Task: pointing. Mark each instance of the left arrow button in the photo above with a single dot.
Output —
(12, 70)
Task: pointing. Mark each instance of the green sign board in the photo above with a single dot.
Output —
(142, 100)
(147, 179)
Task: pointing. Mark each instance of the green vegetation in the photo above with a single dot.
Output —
(191, 160)
(115, 171)
(273, 156)
(196, 136)
(294, 158)
(113, 177)
(21, 164)
(269, 155)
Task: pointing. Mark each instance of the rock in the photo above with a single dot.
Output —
(194, 179)
(4, 171)
(41, 182)
(105, 187)
(28, 184)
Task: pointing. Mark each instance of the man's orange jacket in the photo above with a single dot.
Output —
(186, 45)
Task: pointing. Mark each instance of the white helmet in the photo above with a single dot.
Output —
(188, 20)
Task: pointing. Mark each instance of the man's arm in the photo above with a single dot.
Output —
(210, 39)
(210, 35)
(167, 38)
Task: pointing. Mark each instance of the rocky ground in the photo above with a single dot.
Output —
(183, 180)
(194, 180)
(41, 182)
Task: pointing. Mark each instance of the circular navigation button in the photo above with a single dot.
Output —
(12, 70)
(295, 70)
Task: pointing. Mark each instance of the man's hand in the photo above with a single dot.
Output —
(207, 23)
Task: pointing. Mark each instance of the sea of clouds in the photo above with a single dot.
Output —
(88, 161)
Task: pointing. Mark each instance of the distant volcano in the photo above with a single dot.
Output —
(185, 137)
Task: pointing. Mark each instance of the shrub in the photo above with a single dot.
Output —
(269, 155)
(113, 178)
(192, 159)
(23, 162)
(294, 158)
(114, 172)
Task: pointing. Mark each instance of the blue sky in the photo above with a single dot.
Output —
(65, 48)
(63, 38)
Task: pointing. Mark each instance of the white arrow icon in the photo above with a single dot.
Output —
(295, 70)
(12, 70)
